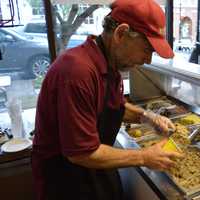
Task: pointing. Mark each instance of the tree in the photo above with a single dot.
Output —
(70, 17)
(69, 24)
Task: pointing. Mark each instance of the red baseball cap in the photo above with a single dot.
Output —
(147, 17)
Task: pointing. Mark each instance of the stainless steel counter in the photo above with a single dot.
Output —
(158, 182)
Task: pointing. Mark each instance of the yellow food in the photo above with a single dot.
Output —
(186, 172)
(180, 136)
(135, 132)
(171, 146)
(190, 119)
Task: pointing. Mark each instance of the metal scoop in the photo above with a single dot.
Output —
(162, 109)
(171, 131)
(192, 138)
(194, 134)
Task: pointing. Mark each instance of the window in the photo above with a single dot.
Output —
(23, 64)
(73, 34)
(1, 17)
(38, 11)
(185, 28)
(90, 19)
(36, 28)
(92, 24)
(26, 73)
(2, 36)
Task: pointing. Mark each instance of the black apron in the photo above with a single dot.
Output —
(67, 181)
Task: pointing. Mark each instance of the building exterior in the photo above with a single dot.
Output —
(185, 19)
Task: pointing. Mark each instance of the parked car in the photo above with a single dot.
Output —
(27, 54)
(38, 29)
(33, 28)
(21, 54)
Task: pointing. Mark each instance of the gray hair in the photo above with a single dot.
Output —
(109, 25)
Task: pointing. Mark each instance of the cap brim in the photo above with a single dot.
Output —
(161, 46)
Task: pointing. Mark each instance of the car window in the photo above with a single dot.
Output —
(4, 36)
(36, 28)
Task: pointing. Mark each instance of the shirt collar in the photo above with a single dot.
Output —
(96, 54)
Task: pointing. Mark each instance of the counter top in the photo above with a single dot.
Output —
(177, 64)
(8, 157)
(164, 188)
(176, 67)
(158, 181)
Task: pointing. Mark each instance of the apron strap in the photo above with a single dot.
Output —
(101, 45)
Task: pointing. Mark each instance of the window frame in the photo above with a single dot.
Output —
(169, 7)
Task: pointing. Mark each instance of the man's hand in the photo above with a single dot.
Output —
(155, 157)
(160, 123)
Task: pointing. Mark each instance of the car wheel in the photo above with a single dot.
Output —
(39, 65)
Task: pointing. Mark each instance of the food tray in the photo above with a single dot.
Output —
(165, 107)
(151, 139)
(173, 111)
(188, 119)
(136, 131)
(178, 117)
(187, 173)
(187, 192)
(195, 197)
(156, 138)
(156, 104)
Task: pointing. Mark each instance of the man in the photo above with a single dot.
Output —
(81, 106)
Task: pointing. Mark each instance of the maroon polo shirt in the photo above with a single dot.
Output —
(70, 100)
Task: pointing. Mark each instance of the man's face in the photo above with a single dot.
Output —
(133, 51)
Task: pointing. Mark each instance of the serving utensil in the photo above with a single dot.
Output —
(192, 137)
(162, 109)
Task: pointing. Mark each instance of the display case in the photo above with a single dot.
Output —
(173, 78)
(169, 88)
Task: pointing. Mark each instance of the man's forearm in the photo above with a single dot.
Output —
(133, 113)
(106, 157)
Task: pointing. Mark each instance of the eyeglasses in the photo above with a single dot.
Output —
(148, 47)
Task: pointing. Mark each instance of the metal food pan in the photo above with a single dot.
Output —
(143, 129)
(186, 191)
(158, 102)
(188, 167)
(160, 109)
(178, 111)
(178, 118)
(154, 138)
(195, 197)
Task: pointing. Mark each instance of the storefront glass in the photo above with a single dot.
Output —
(185, 28)
(23, 67)
(24, 61)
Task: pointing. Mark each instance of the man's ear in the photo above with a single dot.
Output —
(120, 32)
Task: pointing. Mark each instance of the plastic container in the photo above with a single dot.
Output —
(171, 146)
